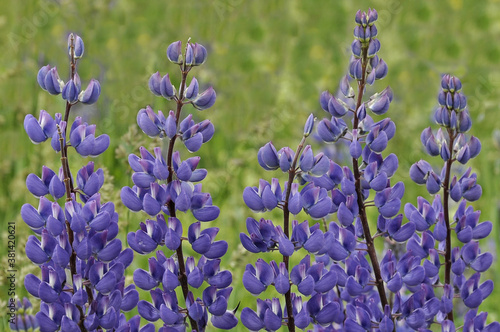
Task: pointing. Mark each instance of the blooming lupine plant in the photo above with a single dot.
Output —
(463, 263)
(164, 186)
(340, 284)
(82, 282)
(328, 275)
(24, 319)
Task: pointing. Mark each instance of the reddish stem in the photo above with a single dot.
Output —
(171, 205)
(359, 192)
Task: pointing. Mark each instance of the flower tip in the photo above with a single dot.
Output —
(174, 52)
(309, 125)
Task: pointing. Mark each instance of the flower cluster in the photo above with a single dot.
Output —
(463, 264)
(165, 185)
(82, 283)
(22, 319)
(324, 276)
(346, 287)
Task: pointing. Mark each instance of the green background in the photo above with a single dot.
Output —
(268, 62)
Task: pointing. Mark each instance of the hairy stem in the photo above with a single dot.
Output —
(286, 229)
(359, 192)
(446, 196)
(68, 183)
(171, 205)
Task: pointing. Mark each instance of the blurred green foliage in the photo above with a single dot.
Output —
(268, 62)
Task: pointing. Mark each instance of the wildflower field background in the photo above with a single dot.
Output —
(268, 62)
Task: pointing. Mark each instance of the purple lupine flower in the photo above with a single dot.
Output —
(163, 187)
(83, 139)
(205, 100)
(91, 93)
(39, 131)
(77, 245)
(262, 236)
(257, 279)
(70, 91)
(315, 201)
(322, 311)
(51, 82)
(174, 52)
(310, 238)
(196, 54)
(75, 42)
(388, 201)
(48, 183)
(23, 318)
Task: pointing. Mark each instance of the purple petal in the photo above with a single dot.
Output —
(144, 280)
(250, 320)
(217, 250)
(148, 311)
(207, 213)
(252, 284)
(46, 324)
(111, 251)
(32, 283)
(227, 321)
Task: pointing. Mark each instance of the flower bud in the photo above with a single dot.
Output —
(200, 54)
(196, 54)
(361, 112)
(445, 82)
(309, 125)
(40, 77)
(464, 121)
(70, 92)
(356, 69)
(359, 33)
(52, 82)
(336, 108)
(373, 47)
(372, 16)
(381, 70)
(324, 98)
(205, 100)
(345, 88)
(192, 90)
(167, 90)
(154, 83)
(79, 47)
(174, 52)
(92, 93)
(356, 48)
(358, 16)
(379, 105)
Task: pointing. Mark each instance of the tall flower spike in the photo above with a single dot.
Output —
(77, 245)
(164, 186)
(451, 144)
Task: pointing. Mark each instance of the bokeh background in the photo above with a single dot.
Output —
(268, 62)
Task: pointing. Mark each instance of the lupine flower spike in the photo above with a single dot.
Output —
(166, 185)
(82, 284)
(464, 263)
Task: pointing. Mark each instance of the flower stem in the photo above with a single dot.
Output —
(359, 192)
(446, 195)
(286, 229)
(68, 183)
(171, 204)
